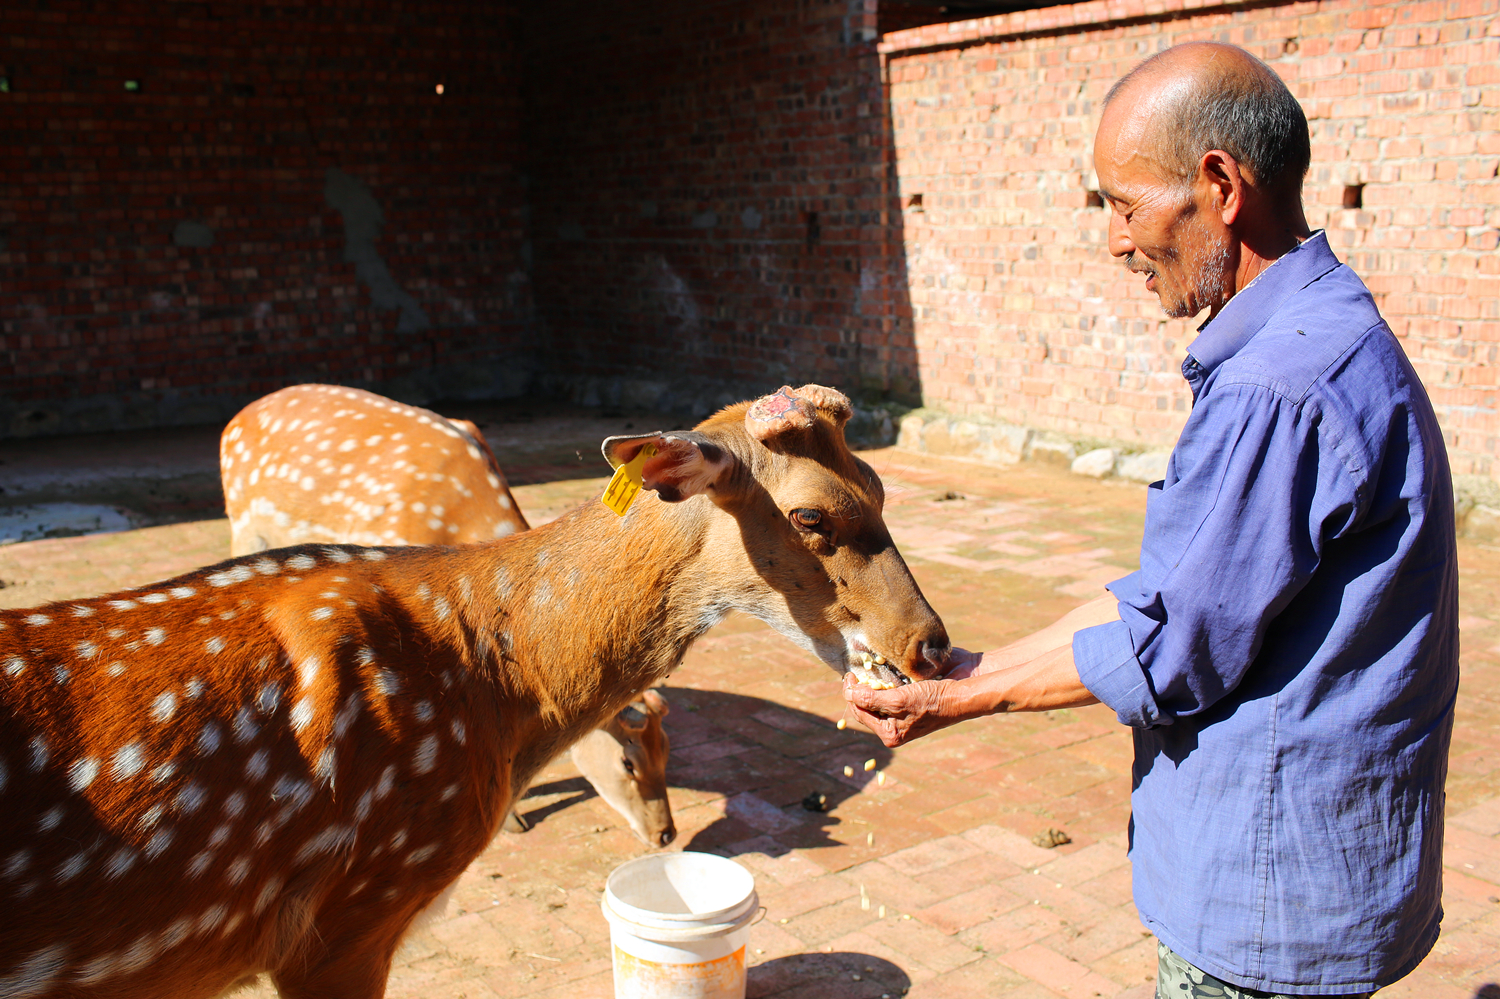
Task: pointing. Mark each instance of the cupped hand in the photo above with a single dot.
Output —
(904, 713)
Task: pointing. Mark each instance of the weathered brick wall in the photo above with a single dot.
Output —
(403, 271)
(711, 201)
(1022, 315)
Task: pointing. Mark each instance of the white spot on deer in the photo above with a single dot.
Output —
(337, 555)
(235, 574)
(503, 528)
(15, 666)
(440, 608)
(116, 669)
(140, 954)
(61, 674)
(116, 633)
(214, 645)
(387, 683)
(460, 734)
(301, 562)
(80, 610)
(265, 566)
(267, 894)
(327, 763)
(423, 711)
(302, 714)
(419, 507)
(164, 707)
(163, 772)
(50, 818)
(421, 854)
(191, 798)
(386, 783)
(17, 862)
(372, 555)
(200, 863)
(73, 866)
(245, 728)
(176, 933)
(210, 739)
(35, 975)
(150, 817)
(156, 635)
(307, 670)
(39, 754)
(154, 598)
(129, 759)
(321, 614)
(220, 835)
(37, 620)
(255, 767)
(425, 758)
(211, 918)
(194, 688)
(82, 773)
(123, 605)
(448, 792)
(346, 715)
(183, 592)
(237, 871)
(234, 804)
(99, 969)
(269, 698)
(157, 844)
(123, 860)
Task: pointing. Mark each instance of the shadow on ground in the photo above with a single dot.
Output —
(780, 771)
(839, 975)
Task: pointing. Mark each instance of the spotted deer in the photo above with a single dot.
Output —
(331, 464)
(274, 764)
(323, 463)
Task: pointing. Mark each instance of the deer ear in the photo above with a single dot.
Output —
(655, 703)
(686, 462)
(788, 410)
(632, 718)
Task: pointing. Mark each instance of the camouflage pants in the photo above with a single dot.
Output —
(1176, 979)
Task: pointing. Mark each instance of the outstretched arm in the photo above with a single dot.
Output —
(1035, 673)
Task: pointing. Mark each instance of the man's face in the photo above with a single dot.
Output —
(1163, 226)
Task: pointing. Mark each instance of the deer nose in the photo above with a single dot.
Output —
(667, 836)
(936, 652)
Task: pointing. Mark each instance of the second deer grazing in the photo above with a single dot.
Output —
(274, 764)
(332, 464)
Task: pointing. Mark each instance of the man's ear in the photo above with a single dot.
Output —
(1222, 172)
(686, 462)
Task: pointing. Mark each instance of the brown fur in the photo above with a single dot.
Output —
(416, 691)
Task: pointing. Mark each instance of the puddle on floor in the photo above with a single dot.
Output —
(61, 520)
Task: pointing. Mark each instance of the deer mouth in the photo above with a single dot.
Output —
(875, 672)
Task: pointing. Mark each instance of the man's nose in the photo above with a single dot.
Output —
(1120, 242)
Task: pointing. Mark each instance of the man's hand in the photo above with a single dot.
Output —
(907, 712)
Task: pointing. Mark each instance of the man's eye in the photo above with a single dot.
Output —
(806, 519)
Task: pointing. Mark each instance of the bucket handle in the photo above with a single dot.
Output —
(759, 915)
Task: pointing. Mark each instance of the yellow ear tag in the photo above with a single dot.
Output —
(626, 485)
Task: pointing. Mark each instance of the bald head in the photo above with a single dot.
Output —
(1192, 98)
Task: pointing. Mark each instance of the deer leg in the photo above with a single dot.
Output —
(514, 823)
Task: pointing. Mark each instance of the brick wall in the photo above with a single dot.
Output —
(170, 252)
(1020, 313)
(712, 207)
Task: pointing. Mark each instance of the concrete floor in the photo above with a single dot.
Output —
(929, 884)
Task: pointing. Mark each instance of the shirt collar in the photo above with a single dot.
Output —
(1242, 317)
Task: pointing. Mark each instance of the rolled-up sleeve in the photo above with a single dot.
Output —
(1233, 534)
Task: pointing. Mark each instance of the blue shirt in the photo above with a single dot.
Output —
(1287, 654)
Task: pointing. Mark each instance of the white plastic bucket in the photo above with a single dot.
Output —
(678, 926)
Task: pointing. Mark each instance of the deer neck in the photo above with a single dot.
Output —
(582, 614)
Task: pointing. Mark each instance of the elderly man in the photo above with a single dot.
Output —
(1287, 654)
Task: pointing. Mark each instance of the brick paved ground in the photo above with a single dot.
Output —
(928, 883)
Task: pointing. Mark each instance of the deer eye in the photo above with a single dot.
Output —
(629, 766)
(805, 519)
